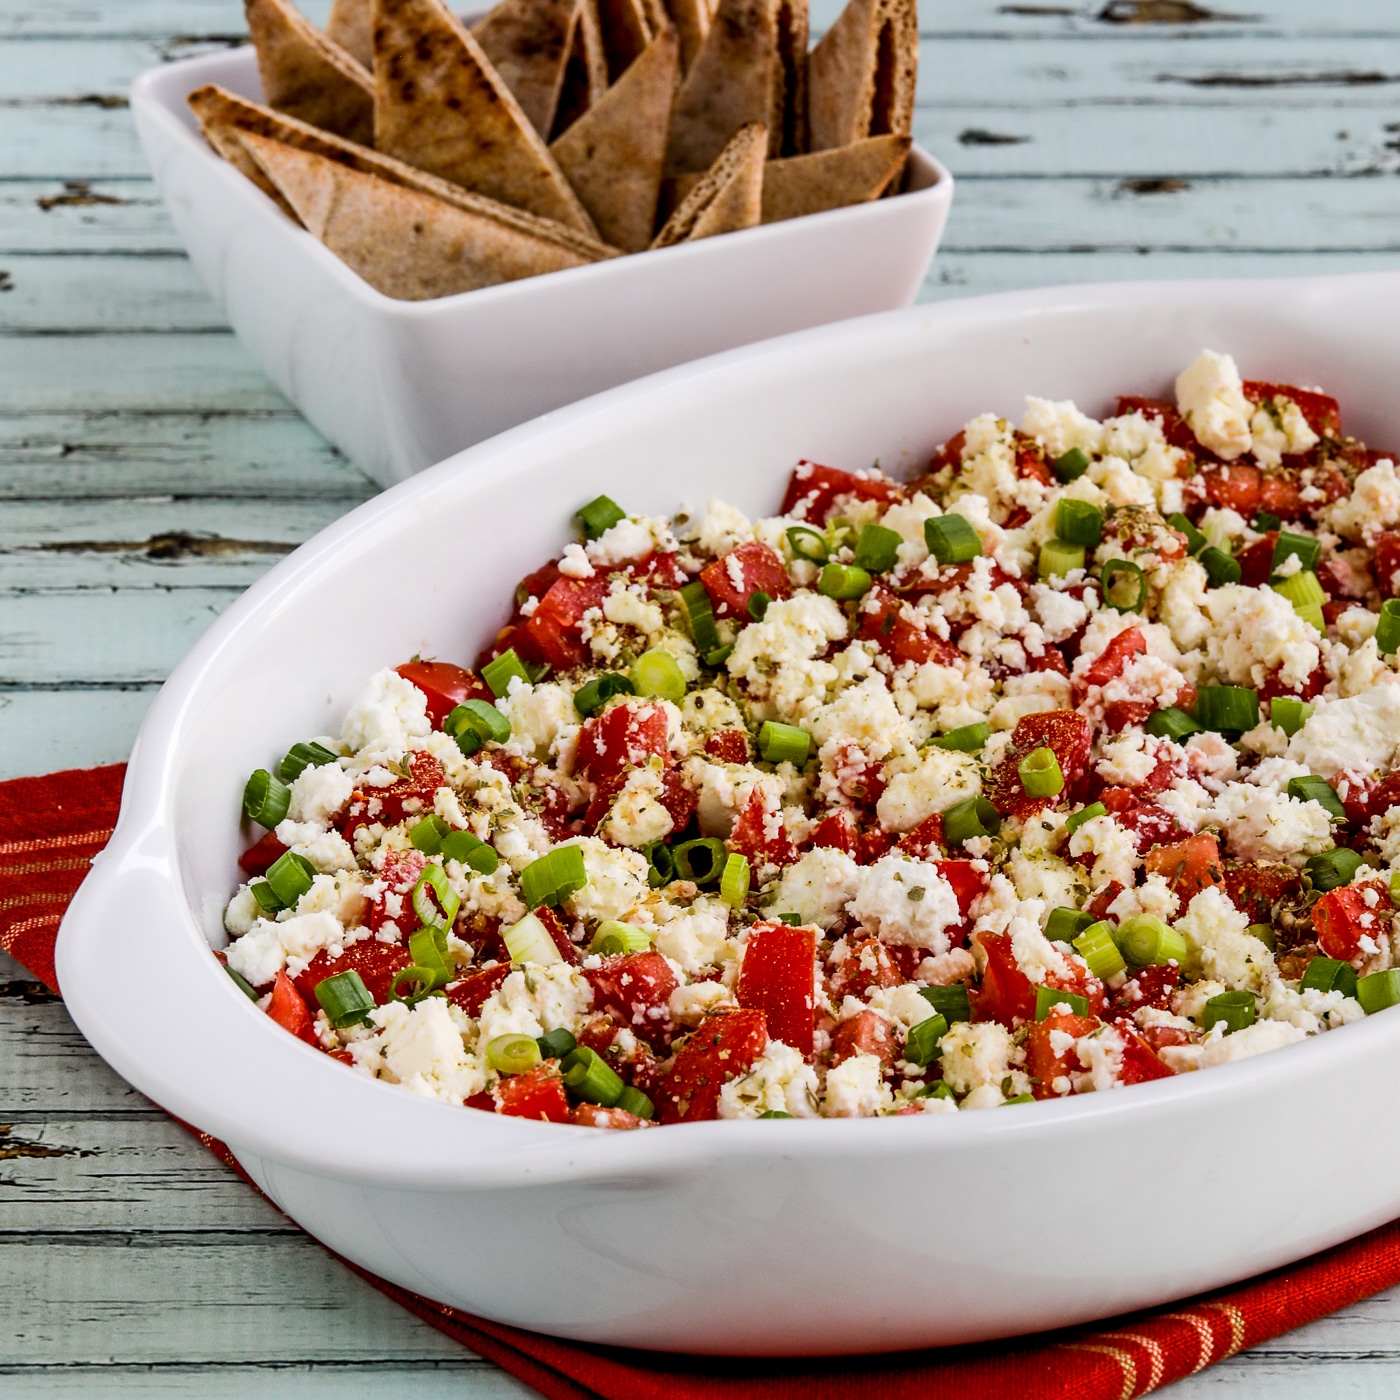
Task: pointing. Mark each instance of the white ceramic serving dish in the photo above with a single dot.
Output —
(749, 1237)
(399, 385)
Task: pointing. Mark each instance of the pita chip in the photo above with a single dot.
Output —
(223, 116)
(307, 74)
(861, 76)
(692, 20)
(351, 25)
(405, 244)
(586, 72)
(440, 105)
(750, 68)
(627, 31)
(728, 197)
(612, 155)
(528, 43)
(851, 174)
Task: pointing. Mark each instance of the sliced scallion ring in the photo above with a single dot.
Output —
(1078, 522)
(1146, 941)
(553, 877)
(301, 757)
(1085, 814)
(661, 865)
(734, 882)
(1227, 709)
(593, 694)
(1307, 549)
(1048, 998)
(1289, 714)
(1096, 946)
(427, 835)
(1319, 790)
(1329, 975)
(501, 670)
(950, 1001)
(530, 942)
(699, 616)
(344, 998)
(424, 949)
(701, 861)
(1388, 627)
(807, 544)
(758, 604)
(554, 1045)
(613, 937)
(1333, 869)
(970, 738)
(877, 549)
(921, 1044)
(434, 900)
(655, 672)
(1058, 558)
(1378, 990)
(783, 743)
(632, 1100)
(951, 539)
(1064, 925)
(843, 582)
(1235, 1009)
(600, 515)
(1040, 773)
(974, 816)
(1220, 568)
(289, 877)
(1123, 585)
(266, 799)
(471, 851)
(1171, 723)
(589, 1077)
(512, 1053)
(1070, 466)
(1195, 540)
(421, 982)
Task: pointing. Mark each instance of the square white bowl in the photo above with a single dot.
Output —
(399, 385)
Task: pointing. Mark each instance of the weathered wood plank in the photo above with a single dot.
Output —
(44, 730)
(47, 1067)
(88, 294)
(53, 217)
(1332, 1378)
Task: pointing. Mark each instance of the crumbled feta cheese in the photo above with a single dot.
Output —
(389, 713)
(976, 1053)
(1219, 1049)
(907, 901)
(1210, 397)
(780, 1081)
(856, 1089)
(1361, 732)
(1216, 935)
(617, 881)
(422, 1048)
(818, 886)
(920, 785)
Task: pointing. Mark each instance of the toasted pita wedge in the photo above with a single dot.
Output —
(528, 43)
(861, 76)
(351, 25)
(612, 155)
(403, 243)
(692, 20)
(627, 30)
(223, 115)
(586, 73)
(306, 74)
(751, 67)
(832, 179)
(728, 197)
(440, 105)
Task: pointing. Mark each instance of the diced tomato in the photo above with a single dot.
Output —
(676, 797)
(593, 1115)
(1148, 986)
(485, 1102)
(760, 834)
(813, 490)
(1051, 659)
(778, 977)
(551, 633)
(390, 805)
(472, 991)
(1153, 826)
(1190, 866)
(1140, 1062)
(1385, 564)
(397, 877)
(537, 584)
(1119, 715)
(661, 569)
(538, 1093)
(925, 839)
(1257, 561)
(1281, 493)
(636, 988)
(446, 686)
(837, 829)
(858, 777)
(1235, 486)
(1342, 918)
(866, 1033)
(557, 930)
(1274, 684)
(728, 746)
(888, 621)
(376, 963)
(967, 880)
(867, 965)
(622, 737)
(259, 858)
(1044, 1063)
(723, 1047)
(1161, 410)
(1321, 410)
(1030, 461)
(873, 843)
(949, 455)
(1064, 731)
(1159, 1037)
(733, 579)
(290, 1011)
(1254, 888)
(1099, 904)
(1007, 994)
(1109, 663)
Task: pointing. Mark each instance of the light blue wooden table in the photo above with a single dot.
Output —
(148, 473)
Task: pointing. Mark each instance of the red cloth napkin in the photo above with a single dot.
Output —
(51, 827)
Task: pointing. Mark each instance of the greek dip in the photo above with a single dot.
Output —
(1065, 766)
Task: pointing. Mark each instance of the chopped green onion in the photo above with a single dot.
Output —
(301, 757)
(655, 672)
(950, 1001)
(1195, 540)
(1265, 934)
(529, 942)
(482, 716)
(1329, 975)
(427, 952)
(1078, 522)
(970, 738)
(344, 998)
(935, 1091)
(499, 673)
(844, 582)
(1019, 1098)
(554, 1045)
(1085, 814)
(1308, 550)
(758, 604)
(1289, 714)
(1058, 559)
(1040, 773)
(1096, 946)
(1145, 941)
(1171, 723)
(591, 1078)
(702, 860)
(615, 937)
(1235, 1009)
(1305, 593)
(265, 896)
(427, 835)
(1070, 466)
(734, 883)
(553, 877)
(471, 851)
(241, 983)
(951, 539)
(661, 864)
(774, 1113)
(600, 515)
(877, 549)
(537, 670)
(512, 1054)
(1048, 998)
(719, 655)
(1388, 627)
(1319, 790)
(1395, 887)
(592, 695)
(266, 799)
(1264, 521)
(289, 877)
(808, 544)
(699, 615)
(783, 743)
(1333, 869)
(791, 920)
(439, 913)
(973, 817)
(636, 1103)
(921, 1044)
(422, 981)
(1064, 925)
(1220, 567)
(1123, 585)
(1227, 709)
(1378, 990)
